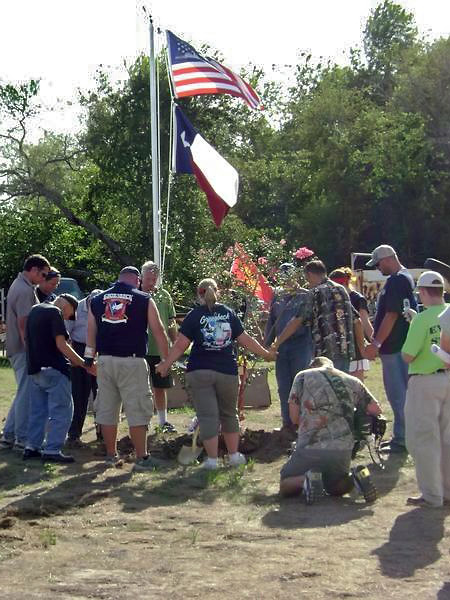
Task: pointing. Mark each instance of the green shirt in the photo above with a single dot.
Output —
(424, 330)
(166, 309)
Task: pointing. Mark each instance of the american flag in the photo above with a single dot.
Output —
(193, 74)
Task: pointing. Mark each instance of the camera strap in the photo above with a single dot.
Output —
(342, 394)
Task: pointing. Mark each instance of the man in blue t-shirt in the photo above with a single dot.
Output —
(118, 320)
(390, 331)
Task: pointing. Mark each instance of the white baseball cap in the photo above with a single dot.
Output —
(379, 253)
(430, 279)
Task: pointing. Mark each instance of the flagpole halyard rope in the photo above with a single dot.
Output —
(170, 177)
(169, 188)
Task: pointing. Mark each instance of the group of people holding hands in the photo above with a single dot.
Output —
(321, 339)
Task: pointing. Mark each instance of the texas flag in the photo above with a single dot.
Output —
(215, 176)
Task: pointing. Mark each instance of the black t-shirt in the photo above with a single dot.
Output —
(358, 301)
(397, 289)
(212, 334)
(121, 314)
(44, 297)
(44, 323)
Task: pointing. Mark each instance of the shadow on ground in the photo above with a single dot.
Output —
(413, 544)
(86, 482)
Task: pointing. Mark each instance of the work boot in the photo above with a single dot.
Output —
(363, 483)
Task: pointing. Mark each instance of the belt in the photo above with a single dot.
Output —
(433, 373)
(127, 356)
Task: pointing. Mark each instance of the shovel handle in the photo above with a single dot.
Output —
(195, 437)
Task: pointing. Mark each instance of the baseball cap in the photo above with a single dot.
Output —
(286, 268)
(430, 279)
(72, 301)
(132, 270)
(379, 253)
(52, 274)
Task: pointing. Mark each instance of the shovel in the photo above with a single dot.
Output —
(189, 454)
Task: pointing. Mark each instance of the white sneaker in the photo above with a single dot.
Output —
(236, 459)
(210, 464)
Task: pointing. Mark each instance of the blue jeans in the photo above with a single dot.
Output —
(291, 359)
(395, 379)
(16, 424)
(51, 408)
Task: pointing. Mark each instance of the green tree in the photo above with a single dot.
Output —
(389, 34)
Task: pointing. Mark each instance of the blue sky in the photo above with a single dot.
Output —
(62, 42)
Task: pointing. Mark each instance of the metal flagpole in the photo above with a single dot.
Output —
(154, 126)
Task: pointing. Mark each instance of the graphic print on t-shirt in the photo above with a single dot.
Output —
(216, 331)
(116, 307)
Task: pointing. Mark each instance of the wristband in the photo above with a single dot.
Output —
(89, 352)
(88, 361)
(376, 343)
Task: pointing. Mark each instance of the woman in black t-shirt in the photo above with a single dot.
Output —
(212, 372)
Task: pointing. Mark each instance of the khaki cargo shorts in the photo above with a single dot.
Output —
(123, 380)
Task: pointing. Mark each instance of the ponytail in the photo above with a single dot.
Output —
(207, 293)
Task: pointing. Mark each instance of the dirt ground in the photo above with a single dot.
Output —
(81, 531)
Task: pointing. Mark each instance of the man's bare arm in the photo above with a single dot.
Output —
(383, 332)
(386, 326)
(91, 339)
(445, 344)
(294, 412)
(181, 344)
(367, 325)
(408, 358)
(373, 408)
(172, 330)
(21, 325)
(157, 329)
(68, 351)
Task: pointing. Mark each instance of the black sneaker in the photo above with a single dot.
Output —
(363, 483)
(57, 458)
(6, 443)
(29, 453)
(168, 428)
(312, 486)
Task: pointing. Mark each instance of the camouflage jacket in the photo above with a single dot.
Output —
(327, 399)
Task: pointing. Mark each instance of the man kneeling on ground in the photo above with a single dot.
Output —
(322, 402)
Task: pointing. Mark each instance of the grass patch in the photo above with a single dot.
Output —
(183, 410)
(7, 390)
(47, 537)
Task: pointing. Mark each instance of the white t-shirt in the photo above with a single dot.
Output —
(444, 320)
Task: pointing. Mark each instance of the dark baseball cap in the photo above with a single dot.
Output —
(72, 301)
(132, 270)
